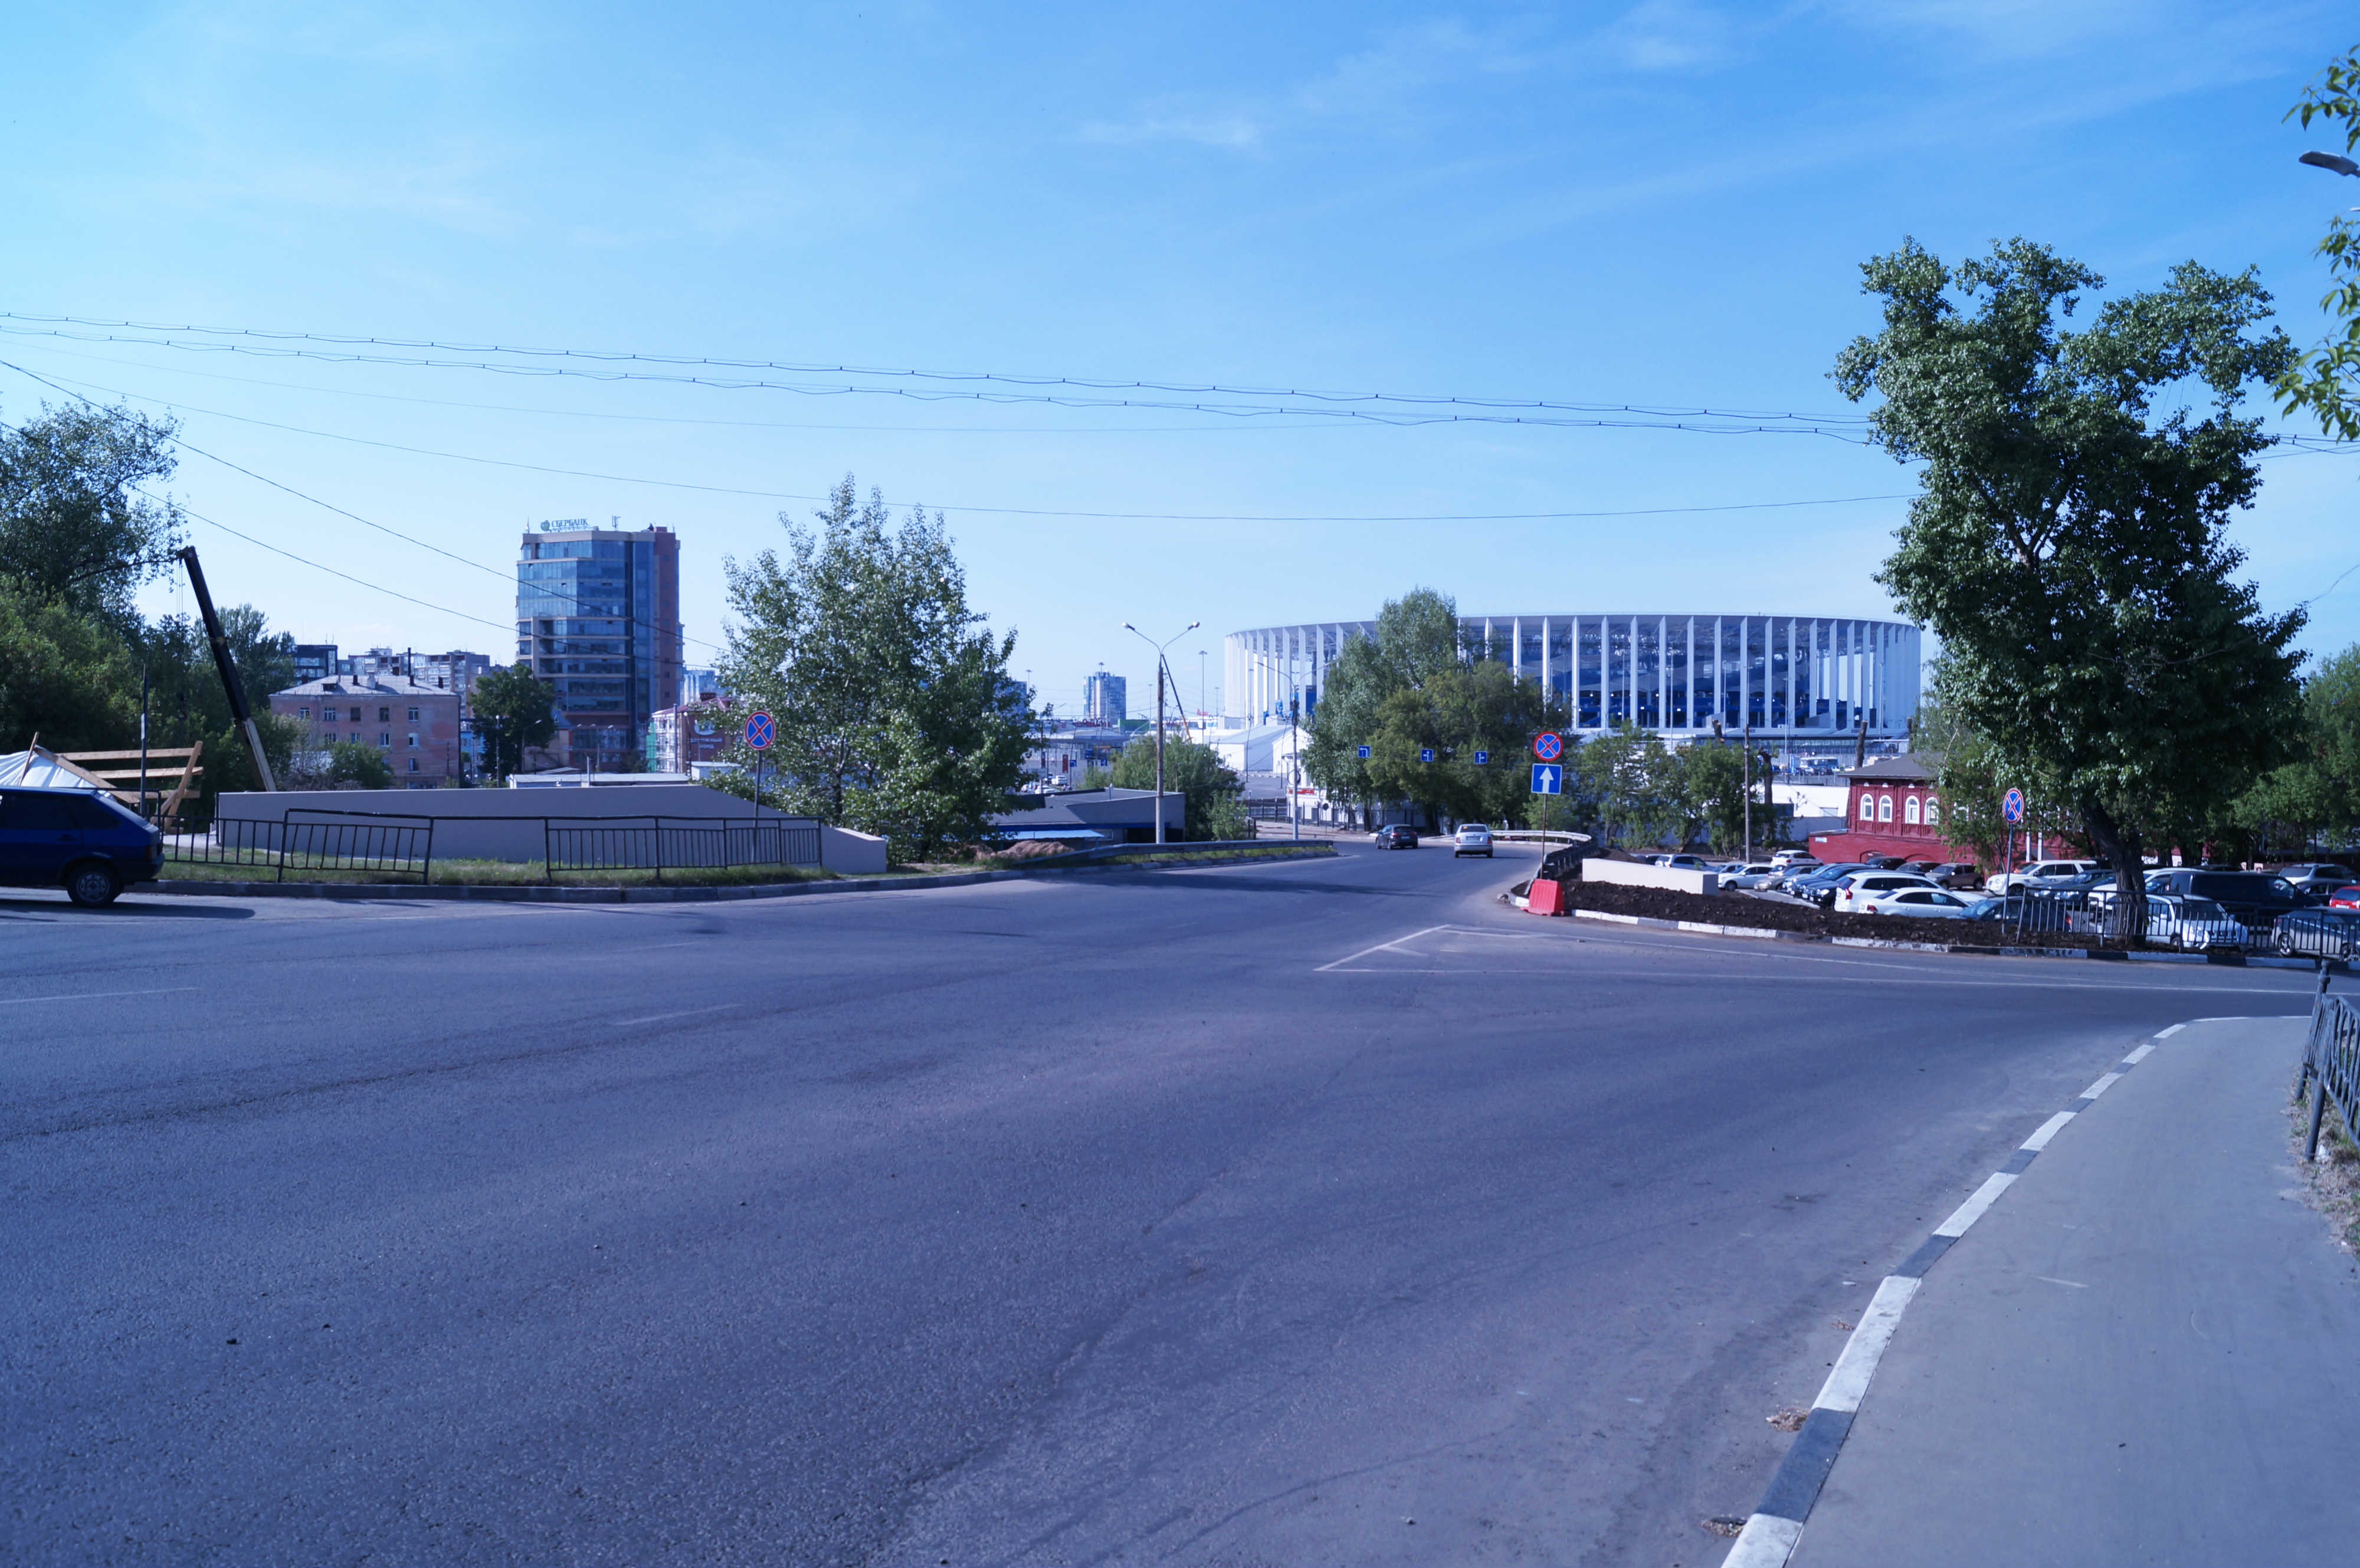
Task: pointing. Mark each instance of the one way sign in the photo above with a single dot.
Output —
(1549, 778)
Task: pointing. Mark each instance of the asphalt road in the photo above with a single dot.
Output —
(1318, 1213)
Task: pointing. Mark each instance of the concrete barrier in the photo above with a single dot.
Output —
(1632, 874)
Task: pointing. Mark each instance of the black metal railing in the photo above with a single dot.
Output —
(399, 845)
(2330, 1063)
(400, 848)
(2192, 927)
(673, 844)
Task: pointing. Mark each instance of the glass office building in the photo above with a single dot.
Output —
(598, 617)
(1783, 675)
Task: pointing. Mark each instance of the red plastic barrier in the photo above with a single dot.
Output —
(1543, 898)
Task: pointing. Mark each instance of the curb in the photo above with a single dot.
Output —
(2234, 960)
(537, 893)
(1772, 1530)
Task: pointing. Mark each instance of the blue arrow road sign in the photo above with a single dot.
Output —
(1546, 778)
(757, 731)
(2011, 805)
(1481, 757)
(1425, 754)
(1364, 754)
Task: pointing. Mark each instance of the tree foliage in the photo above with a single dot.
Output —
(1417, 687)
(515, 711)
(74, 527)
(894, 710)
(2326, 381)
(2070, 543)
(1207, 786)
(2319, 792)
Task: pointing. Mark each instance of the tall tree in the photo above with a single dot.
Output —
(894, 708)
(1207, 786)
(2070, 543)
(2326, 381)
(75, 527)
(2320, 791)
(515, 711)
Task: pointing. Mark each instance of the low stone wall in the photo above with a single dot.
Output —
(1630, 873)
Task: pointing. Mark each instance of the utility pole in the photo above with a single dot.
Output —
(143, 739)
(1746, 754)
(1159, 647)
(230, 682)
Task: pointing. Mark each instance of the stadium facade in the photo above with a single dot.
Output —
(1797, 677)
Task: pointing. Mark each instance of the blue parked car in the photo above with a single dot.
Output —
(80, 840)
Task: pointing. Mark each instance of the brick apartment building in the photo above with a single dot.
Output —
(414, 722)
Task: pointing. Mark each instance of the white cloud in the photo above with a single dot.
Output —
(1669, 35)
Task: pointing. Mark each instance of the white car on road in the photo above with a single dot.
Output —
(1760, 873)
(1860, 886)
(1473, 838)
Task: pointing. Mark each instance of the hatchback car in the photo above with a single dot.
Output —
(2317, 933)
(2193, 923)
(2344, 899)
(80, 840)
(1794, 860)
(1760, 873)
(1395, 835)
(2318, 879)
(1472, 838)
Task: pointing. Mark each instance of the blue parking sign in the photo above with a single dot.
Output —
(1548, 779)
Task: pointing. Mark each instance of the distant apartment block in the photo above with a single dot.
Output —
(598, 617)
(1102, 700)
(415, 725)
(455, 670)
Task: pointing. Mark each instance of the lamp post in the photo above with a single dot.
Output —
(1159, 647)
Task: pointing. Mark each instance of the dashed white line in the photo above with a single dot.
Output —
(2049, 1130)
(2102, 1085)
(1972, 1209)
(1848, 1384)
(667, 1017)
(92, 996)
(2135, 1057)
(2069, 1284)
(2166, 1034)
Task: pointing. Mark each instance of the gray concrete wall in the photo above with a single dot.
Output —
(507, 823)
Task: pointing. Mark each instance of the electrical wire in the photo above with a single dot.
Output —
(796, 367)
(62, 384)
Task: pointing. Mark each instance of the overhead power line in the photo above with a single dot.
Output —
(65, 383)
(602, 356)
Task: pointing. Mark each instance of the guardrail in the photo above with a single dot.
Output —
(2330, 1063)
(673, 843)
(402, 844)
(396, 848)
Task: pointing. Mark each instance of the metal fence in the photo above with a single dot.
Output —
(673, 844)
(403, 848)
(2330, 1063)
(2170, 923)
(395, 844)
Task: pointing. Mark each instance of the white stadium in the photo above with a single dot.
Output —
(1795, 678)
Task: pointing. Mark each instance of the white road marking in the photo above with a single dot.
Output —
(1766, 1541)
(1379, 948)
(2049, 1130)
(2166, 1034)
(2069, 1284)
(92, 996)
(2135, 1057)
(667, 1017)
(2102, 1085)
(1972, 1209)
(1848, 1384)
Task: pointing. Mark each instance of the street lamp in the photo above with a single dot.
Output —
(1159, 647)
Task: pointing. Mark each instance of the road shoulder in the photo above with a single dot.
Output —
(2142, 1354)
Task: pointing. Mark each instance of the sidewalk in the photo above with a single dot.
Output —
(2148, 1351)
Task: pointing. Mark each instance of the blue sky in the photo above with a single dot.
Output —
(1661, 203)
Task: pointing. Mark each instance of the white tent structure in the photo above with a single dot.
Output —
(39, 768)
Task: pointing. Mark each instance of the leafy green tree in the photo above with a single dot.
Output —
(894, 708)
(1712, 794)
(514, 711)
(1197, 773)
(2069, 545)
(2319, 792)
(1417, 686)
(75, 527)
(65, 676)
(1636, 782)
(2326, 381)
